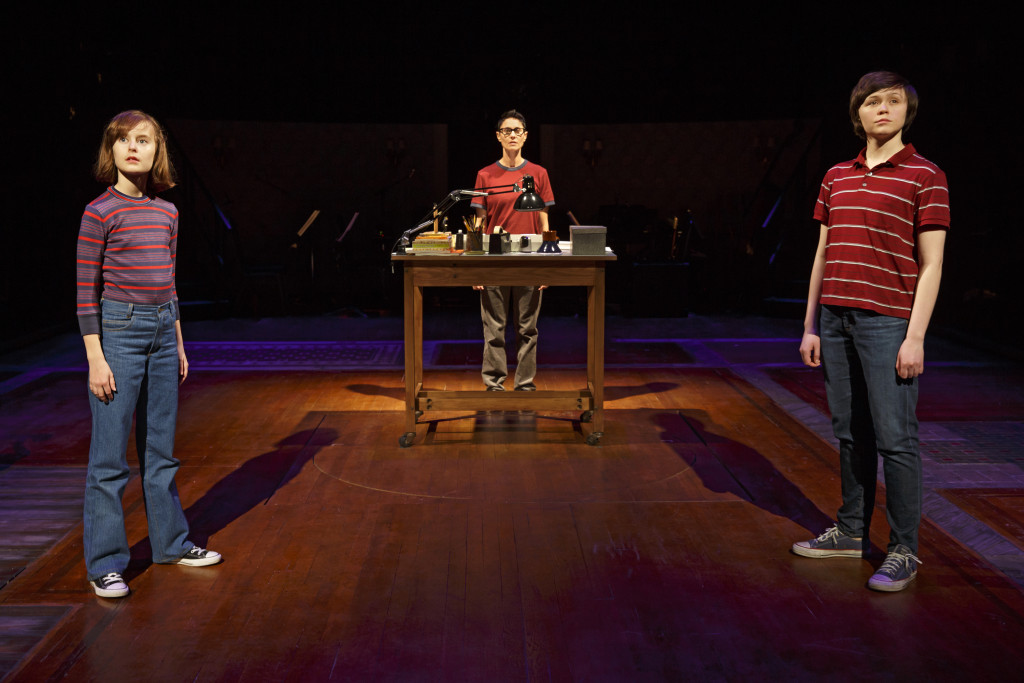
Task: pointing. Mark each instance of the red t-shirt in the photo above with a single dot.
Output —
(499, 206)
(873, 216)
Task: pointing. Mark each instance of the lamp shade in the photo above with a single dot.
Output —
(529, 200)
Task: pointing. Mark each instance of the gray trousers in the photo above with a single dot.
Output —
(494, 307)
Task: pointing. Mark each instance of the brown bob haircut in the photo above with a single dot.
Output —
(161, 176)
(873, 82)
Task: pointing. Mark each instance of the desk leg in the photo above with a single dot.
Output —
(595, 352)
(413, 333)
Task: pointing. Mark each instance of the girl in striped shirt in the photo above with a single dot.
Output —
(128, 316)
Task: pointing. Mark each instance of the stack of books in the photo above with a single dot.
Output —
(432, 243)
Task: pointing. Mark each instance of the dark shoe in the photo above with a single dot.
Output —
(898, 570)
(495, 388)
(527, 388)
(832, 543)
(199, 557)
(110, 586)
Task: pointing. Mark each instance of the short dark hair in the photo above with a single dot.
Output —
(510, 114)
(872, 83)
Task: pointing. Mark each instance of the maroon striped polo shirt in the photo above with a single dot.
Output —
(126, 250)
(873, 217)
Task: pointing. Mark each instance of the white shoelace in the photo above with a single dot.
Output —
(894, 560)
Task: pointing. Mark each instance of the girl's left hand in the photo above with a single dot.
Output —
(182, 365)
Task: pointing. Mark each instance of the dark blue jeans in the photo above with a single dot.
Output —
(873, 412)
(140, 346)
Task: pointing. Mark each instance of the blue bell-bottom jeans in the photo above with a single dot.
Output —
(873, 413)
(140, 346)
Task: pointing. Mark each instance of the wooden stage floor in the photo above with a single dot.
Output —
(501, 547)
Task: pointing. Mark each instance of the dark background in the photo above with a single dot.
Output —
(68, 70)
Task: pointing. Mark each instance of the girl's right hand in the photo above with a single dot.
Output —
(101, 380)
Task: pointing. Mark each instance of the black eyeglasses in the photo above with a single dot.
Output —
(509, 131)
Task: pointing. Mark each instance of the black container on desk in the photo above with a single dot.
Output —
(500, 243)
(474, 243)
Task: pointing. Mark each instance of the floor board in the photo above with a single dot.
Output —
(499, 547)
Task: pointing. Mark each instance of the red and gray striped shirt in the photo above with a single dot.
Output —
(126, 251)
(873, 216)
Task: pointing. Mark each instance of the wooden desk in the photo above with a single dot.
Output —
(507, 269)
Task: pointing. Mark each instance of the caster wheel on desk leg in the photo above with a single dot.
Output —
(405, 440)
(594, 438)
(587, 416)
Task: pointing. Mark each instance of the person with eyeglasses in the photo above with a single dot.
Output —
(495, 302)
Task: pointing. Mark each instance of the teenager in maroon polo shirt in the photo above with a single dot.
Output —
(875, 277)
